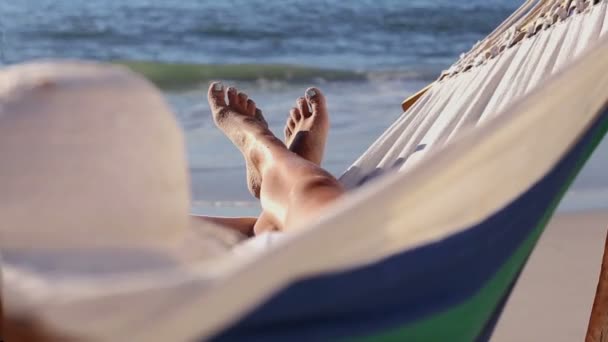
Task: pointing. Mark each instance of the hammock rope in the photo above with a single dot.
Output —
(527, 21)
(472, 94)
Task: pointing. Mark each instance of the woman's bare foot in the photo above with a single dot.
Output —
(307, 126)
(244, 125)
(305, 135)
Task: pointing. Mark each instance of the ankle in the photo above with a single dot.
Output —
(264, 150)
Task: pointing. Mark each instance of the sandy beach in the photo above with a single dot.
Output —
(552, 300)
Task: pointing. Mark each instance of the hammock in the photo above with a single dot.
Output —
(472, 171)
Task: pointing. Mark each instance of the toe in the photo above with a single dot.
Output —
(216, 96)
(291, 124)
(287, 132)
(243, 100)
(295, 114)
(303, 107)
(251, 107)
(316, 100)
(232, 97)
(258, 115)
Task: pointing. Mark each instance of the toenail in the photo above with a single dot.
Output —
(218, 87)
(311, 93)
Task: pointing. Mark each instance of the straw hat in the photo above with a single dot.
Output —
(90, 156)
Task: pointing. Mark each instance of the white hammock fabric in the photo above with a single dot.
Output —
(453, 146)
(461, 102)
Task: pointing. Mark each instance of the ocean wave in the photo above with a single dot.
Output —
(184, 75)
(187, 75)
(345, 35)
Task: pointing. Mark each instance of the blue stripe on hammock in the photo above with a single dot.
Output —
(411, 285)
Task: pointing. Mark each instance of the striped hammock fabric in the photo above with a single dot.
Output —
(429, 251)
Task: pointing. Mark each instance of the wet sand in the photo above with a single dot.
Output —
(552, 300)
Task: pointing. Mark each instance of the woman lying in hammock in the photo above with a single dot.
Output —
(104, 188)
(286, 177)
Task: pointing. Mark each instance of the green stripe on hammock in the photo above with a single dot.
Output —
(466, 321)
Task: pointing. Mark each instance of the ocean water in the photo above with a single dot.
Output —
(367, 56)
(362, 35)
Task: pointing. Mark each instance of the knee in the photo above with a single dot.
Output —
(316, 188)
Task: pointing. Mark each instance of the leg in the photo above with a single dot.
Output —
(305, 135)
(294, 189)
(291, 188)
